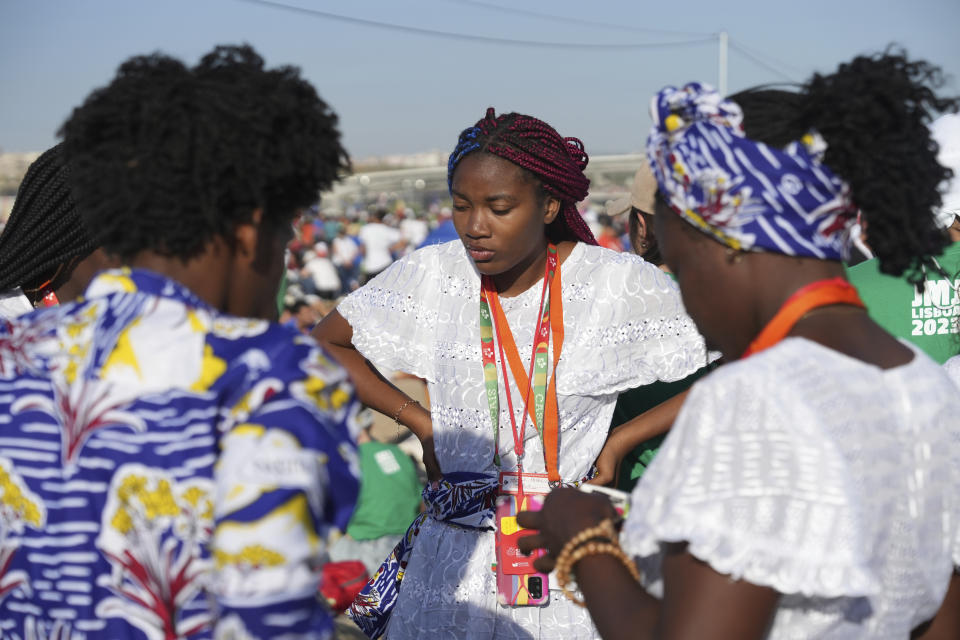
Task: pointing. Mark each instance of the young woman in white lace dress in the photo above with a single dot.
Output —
(808, 488)
(514, 183)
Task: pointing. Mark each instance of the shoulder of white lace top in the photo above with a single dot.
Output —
(749, 481)
(394, 316)
(952, 367)
(625, 325)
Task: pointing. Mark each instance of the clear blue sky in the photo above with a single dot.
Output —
(401, 92)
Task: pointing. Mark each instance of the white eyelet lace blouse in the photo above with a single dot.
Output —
(830, 480)
(624, 326)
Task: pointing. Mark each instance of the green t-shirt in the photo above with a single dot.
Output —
(389, 492)
(928, 319)
(632, 403)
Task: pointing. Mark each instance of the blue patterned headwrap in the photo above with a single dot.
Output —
(747, 195)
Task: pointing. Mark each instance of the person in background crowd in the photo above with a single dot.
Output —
(300, 316)
(345, 256)
(445, 231)
(46, 253)
(413, 230)
(379, 242)
(389, 501)
(946, 131)
(525, 264)
(808, 486)
(179, 460)
(320, 272)
(608, 238)
(639, 205)
(928, 317)
(331, 227)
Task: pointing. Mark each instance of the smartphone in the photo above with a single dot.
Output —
(619, 499)
(518, 583)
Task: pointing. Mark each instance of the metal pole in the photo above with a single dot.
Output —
(722, 64)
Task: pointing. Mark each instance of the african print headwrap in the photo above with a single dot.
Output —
(747, 195)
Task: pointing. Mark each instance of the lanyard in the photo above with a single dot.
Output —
(816, 294)
(543, 412)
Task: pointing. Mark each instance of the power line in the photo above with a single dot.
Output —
(791, 69)
(577, 21)
(471, 37)
(760, 61)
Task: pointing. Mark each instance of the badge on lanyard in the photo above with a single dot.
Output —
(518, 583)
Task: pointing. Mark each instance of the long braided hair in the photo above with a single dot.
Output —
(44, 236)
(556, 163)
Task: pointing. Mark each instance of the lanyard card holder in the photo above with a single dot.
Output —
(518, 583)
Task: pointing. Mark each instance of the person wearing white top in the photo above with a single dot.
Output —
(379, 241)
(414, 229)
(808, 488)
(322, 273)
(623, 325)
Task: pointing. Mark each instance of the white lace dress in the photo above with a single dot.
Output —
(624, 326)
(830, 480)
(952, 367)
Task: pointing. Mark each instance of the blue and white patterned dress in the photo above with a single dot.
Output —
(166, 470)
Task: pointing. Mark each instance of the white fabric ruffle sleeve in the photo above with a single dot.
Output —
(394, 316)
(952, 367)
(746, 480)
(625, 326)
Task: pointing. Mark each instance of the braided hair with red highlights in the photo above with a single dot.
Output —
(556, 163)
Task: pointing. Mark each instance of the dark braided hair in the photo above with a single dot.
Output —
(873, 113)
(44, 236)
(554, 163)
(167, 157)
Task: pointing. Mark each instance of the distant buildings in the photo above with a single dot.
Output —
(13, 166)
(417, 178)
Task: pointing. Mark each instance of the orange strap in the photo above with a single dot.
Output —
(551, 422)
(816, 294)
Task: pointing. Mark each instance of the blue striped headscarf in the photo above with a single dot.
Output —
(747, 195)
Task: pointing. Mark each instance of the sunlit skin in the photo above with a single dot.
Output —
(501, 214)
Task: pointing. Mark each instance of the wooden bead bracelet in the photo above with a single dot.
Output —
(591, 541)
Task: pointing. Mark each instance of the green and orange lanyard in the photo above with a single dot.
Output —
(821, 293)
(543, 411)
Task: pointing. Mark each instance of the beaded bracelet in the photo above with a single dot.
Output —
(590, 549)
(603, 530)
(582, 545)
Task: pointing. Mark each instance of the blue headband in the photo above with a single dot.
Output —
(747, 195)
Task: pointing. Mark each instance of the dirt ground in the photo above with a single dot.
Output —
(346, 630)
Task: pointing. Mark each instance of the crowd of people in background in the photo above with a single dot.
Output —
(334, 254)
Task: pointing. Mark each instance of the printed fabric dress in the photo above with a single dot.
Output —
(624, 326)
(166, 471)
(827, 479)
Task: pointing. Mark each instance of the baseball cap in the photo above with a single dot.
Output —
(641, 195)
